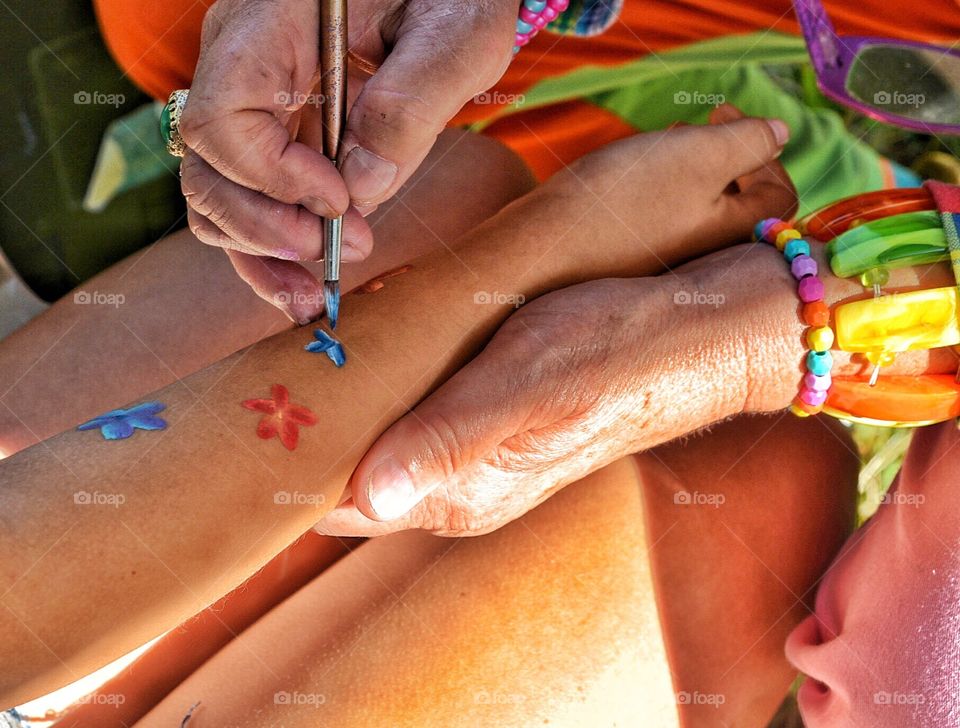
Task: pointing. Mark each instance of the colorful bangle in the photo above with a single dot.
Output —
(534, 17)
(836, 218)
(815, 314)
(867, 236)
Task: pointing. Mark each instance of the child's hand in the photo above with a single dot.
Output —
(686, 191)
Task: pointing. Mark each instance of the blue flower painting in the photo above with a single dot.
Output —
(119, 424)
(326, 344)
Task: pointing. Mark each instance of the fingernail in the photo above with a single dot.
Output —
(367, 175)
(296, 316)
(366, 209)
(297, 320)
(286, 254)
(301, 307)
(351, 254)
(390, 491)
(781, 132)
(319, 207)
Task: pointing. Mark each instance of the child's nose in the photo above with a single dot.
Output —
(819, 654)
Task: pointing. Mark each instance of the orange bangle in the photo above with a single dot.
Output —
(829, 222)
(896, 399)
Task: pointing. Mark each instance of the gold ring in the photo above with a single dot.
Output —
(170, 122)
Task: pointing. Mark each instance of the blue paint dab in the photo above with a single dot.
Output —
(119, 424)
(328, 345)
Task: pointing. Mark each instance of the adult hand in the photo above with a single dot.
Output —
(570, 382)
(255, 181)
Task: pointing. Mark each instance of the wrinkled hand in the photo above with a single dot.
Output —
(556, 393)
(547, 401)
(255, 181)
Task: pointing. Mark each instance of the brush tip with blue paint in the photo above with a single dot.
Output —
(331, 299)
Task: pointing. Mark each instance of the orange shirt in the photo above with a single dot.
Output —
(157, 43)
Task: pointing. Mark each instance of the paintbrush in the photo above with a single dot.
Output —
(333, 87)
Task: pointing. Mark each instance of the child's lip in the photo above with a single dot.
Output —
(814, 699)
(813, 688)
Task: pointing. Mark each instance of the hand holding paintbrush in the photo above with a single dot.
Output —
(256, 174)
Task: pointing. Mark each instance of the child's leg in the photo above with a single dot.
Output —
(745, 519)
(548, 619)
(178, 306)
(137, 688)
(555, 617)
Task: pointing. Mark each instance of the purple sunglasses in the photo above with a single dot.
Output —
(911, 85)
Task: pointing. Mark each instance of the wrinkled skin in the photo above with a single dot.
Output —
(255, 182)
(565, 386)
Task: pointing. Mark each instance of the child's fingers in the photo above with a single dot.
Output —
(728, 113)
(725, 113)
(763, 188)
(742, 146)
(766, 191)
(771, 197)
(769, 173)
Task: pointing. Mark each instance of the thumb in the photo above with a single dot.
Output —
(744, 144)
(763, 187)
(463, 421)
(433, 69)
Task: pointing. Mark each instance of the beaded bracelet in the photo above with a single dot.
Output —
(869, 235)
(534, 17)
(815, 314)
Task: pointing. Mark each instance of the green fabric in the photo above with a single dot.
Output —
(62, 90)
(825, 161)
(133, 153)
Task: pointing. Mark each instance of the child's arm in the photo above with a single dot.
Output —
(171, 309)
(202, 505)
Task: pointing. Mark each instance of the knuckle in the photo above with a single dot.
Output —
(442, 446)
(204, 233)
(215, 141)
(526, 340)
(279, 186)
(212, 23)
(462, 522)
(192, 172)
(534, 342)
(397, 113)
(208, 203)
(530, 453)
(494, 52)
(443, 516)
(192, 125)
(489, 27)
(196, 227)
(434, 514)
